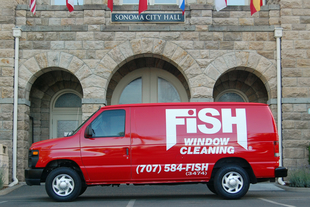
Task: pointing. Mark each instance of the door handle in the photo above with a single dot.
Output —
(127, 152)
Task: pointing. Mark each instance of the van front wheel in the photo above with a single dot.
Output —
(231, 182)
(63, 184)
(211, 187)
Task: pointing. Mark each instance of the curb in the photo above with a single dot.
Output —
(10, 189)
(265, 186)
(293, 189)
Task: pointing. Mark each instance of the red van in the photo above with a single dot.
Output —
(225, 145)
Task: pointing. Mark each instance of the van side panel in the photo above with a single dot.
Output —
(184, 142)
(148, 148)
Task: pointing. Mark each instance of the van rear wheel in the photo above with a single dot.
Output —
(231, 182)
(63, 184)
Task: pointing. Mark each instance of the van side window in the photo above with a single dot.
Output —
(109, 124)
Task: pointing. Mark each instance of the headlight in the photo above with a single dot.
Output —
(33, 158)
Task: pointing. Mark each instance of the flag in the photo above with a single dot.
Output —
(220, 4)
(255, 5)
(33, 6)
(182, 5)
(110, 5)
(70, 5)
(142, 6)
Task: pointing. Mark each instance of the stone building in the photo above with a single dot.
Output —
(72, 63)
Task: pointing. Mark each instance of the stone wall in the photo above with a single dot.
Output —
(207, 46)
(295, 19)
(86, 44)
(7, 22)
(117, 2)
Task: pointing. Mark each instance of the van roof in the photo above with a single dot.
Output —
(186, 104)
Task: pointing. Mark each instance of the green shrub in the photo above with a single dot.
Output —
(300, 178)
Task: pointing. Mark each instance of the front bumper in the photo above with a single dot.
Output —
(280, 172)
(33, 176)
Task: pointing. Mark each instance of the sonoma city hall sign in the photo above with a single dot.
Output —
(147, 18)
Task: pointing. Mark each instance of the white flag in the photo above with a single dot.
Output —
(220, 4)
(33, 6)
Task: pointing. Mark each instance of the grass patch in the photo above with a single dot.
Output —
(299, 177)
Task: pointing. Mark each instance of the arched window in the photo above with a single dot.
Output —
(132, 93)
(149, 85)
(167, 92)
(231, 95)
(68, 100)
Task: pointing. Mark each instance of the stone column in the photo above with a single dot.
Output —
(22, 140)
(6, 129)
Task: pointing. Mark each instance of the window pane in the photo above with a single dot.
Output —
(236, 2)
(167, 92)
(165, 1)
(109, 124)
(130, 1)
(68, 100)
(230, 97)
(132, 93)
(65, 127)
(63, 2)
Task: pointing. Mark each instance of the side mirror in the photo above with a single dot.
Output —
(88, 132)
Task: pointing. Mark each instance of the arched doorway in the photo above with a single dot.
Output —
(66, 113)
(147, 80)
(149, 85)
(45, 91)
(240, 86)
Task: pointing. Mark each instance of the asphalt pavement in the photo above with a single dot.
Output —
(266, 186)
(262, 194)
(198, 195)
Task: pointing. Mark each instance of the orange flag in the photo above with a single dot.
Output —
(255, 5)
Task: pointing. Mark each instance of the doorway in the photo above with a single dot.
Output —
(149, 85)
(66, 113)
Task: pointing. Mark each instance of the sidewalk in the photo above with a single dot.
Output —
(266, 186)
(10, 189)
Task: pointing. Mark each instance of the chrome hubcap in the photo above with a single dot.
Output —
(232, 182)
(63, 185)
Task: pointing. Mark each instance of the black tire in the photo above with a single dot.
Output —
(63, 184)
(231, 182)
(211, 187)
(83, 189)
